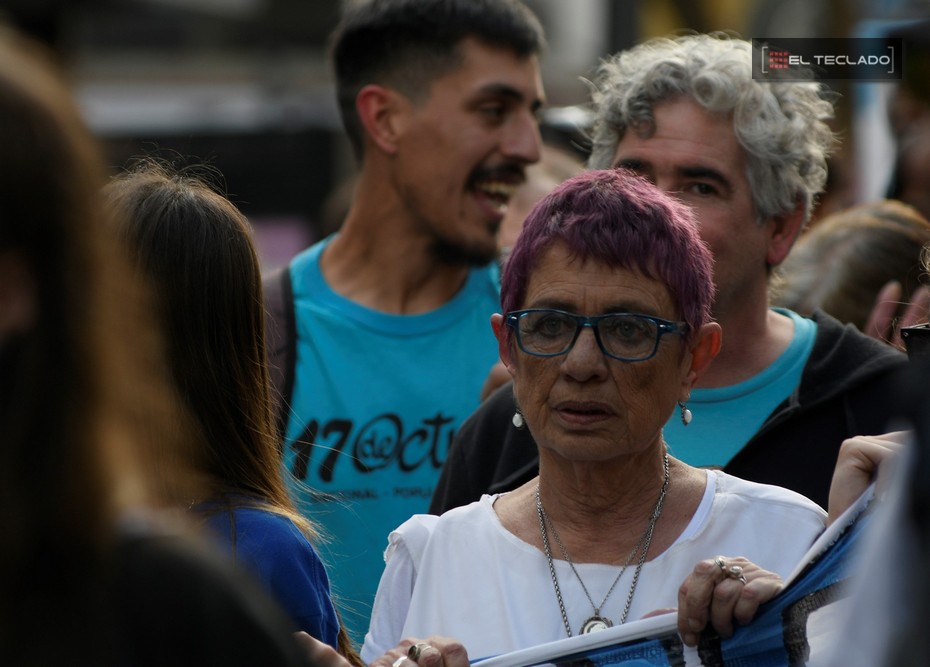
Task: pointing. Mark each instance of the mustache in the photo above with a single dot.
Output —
(511, 173)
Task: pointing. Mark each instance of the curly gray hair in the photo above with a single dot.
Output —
(781, 125)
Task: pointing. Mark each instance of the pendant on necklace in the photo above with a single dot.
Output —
(595, 624)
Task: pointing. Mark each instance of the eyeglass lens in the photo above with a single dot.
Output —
(552, 333)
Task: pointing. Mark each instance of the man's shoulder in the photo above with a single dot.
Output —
(281, 282)
(489, 274)
(309, 255)
(863, 373)
(842, 350)
(490, 428)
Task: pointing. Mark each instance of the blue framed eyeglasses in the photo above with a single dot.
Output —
(543, 332)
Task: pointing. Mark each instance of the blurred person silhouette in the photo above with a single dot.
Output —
(855, 262)
(749, 157)
(92, 572)
(885, 620)
(195, 250)
(908, 113)
(388, 318)
(912, 182)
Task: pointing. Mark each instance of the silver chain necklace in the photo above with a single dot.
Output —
(598, 622)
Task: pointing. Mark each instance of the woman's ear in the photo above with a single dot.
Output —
(504, 341)
(704, 348)
(18, 298)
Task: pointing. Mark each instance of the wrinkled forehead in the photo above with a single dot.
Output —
(564, 280)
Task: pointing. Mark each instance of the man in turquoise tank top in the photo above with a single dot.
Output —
(392, 312)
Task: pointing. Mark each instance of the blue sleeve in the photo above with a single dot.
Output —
(275, 551)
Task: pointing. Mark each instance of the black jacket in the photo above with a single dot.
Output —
(850, 386)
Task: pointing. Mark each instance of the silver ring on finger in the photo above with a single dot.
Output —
(414, 651)
(731, 571)
(736, 572)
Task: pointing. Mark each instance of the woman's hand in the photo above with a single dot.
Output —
(858, 464)
(431, 652)
(720, 591)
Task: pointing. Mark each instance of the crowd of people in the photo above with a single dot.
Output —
(455, 427)
(784, 388)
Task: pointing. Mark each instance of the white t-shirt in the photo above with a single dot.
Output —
(463, 575)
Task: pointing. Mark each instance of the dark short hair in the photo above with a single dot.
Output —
(621, 219)
(407, 44)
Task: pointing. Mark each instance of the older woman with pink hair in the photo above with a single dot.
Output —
(605, 329)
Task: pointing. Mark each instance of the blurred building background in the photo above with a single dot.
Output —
(244, 85)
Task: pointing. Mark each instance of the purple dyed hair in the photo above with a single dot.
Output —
(620, 219)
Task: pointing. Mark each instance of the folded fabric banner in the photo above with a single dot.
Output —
(796, 627)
